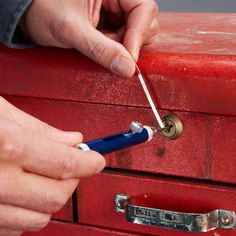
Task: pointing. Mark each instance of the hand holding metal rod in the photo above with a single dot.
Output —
(149, 98)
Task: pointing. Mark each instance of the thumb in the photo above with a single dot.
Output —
(105, 51)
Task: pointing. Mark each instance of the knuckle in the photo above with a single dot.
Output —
(44, 221)
(98, 51)
(95, 165)
(67, 166)
(11, 148)
(59, 201)
(41, 222)
(155, 28)
(152, 7)
(150, 40)
(44, 128)
(66, 22)
(62, 29)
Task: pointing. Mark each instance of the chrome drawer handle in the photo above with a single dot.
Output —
(191, 222)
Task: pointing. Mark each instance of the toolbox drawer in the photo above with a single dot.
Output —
(96, 200)
(200, 153)
(191, 72)
(184, 82)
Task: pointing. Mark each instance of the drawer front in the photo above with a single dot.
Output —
(199, 83)
(201, 152)
(222, 143)
(96, 197)
(63, 229)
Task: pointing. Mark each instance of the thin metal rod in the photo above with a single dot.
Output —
(149, 98)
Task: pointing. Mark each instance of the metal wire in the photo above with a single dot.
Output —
(149, 98)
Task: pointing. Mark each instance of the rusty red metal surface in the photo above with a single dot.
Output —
(191, 72)
(187, 79)
(161, 193)
(198, 33)
(200, 153)
(223, 145)
(64, 229)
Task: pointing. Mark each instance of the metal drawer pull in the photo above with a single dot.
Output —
(191, 222)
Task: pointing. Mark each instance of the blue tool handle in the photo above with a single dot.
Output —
(118, 141)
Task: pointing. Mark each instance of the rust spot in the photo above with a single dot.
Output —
(142, 57)
(161, 151)
(124, 158)
(88, 95)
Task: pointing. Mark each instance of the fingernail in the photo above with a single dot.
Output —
(121, 65)
(136, 55)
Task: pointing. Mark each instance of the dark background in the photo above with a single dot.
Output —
(197, 5)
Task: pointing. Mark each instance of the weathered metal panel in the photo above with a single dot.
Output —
(197, 74)
(96, 197)
(206, 149)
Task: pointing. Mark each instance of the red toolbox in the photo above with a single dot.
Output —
(191, 70)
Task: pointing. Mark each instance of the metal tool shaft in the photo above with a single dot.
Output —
(149, 98)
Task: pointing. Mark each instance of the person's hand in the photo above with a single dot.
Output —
(111, 32)
(39, 170)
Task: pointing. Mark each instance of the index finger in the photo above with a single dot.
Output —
(12, 113)
(57, 160)
(140, 15)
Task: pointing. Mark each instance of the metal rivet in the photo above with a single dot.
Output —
(121, 204)
(121, 201)
(227, 220)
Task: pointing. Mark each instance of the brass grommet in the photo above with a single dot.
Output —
(175, 125)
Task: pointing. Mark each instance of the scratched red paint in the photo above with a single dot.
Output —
(196, 33)
(185, 80)
(223, 148)
(207, 142)
(191, 71)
